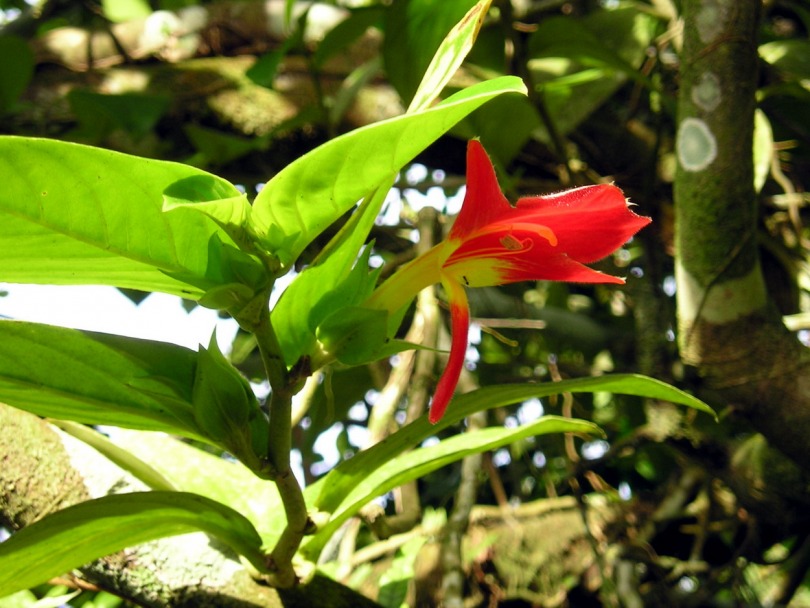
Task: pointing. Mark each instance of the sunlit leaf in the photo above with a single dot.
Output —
(72, 214)
(338, 491)
(315, 190)
(191, 469)
(394, 472)
(790, 57)
(416, 29)
(449, 56)
(96, 528)
(763, 149)
(329, 284)
(119, 11)
(126, 459)
(97, 378)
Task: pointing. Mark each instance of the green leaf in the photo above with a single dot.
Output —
(354, 335)
(396, 579)
(353, 84)
(391, 473)
(315, 190)
(16, 70)
(763, 149)
(790, 57)
(97, 378)
(416, 29)
(21, 599)
(232, 214)
(449, 56)
(338, 493)
(55, 597)
(72, 215)
(226, 409)
(325, 288)
(74, 536)
(264, 71)
(122, 458)
(328, 284)
(191, 469)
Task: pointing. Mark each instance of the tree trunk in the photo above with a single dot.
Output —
(729, 328)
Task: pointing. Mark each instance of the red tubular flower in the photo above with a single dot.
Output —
(492, 243)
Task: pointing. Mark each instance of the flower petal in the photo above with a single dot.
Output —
(555, 267)
(483, 201)
(399, 289)
(459, 326)
(477, 262)
(515, 256)
(590, 222)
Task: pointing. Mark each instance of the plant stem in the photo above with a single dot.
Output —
(278, 454)
(270, 351)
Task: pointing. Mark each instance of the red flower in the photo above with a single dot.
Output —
(492, 243)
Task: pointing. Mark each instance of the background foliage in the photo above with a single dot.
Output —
(666, 507)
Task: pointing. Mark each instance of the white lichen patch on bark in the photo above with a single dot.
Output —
(706, 93)
(711, 20)
(696, 146)
(724, 302)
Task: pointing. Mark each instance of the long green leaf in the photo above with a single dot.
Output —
(315, 190)
(324, 288)
(191, 469)
(449, 56)
(306, 303)
(412, 465)
(115, 453)
(97, 378)
(416, 29)
(74, 536)
(73, 214)
(329, 493)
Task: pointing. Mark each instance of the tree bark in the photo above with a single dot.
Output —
(43, 470)
(729, 328)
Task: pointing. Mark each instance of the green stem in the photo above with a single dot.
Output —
(270, 351)
(278, 454)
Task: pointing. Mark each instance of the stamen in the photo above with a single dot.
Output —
(513, 244)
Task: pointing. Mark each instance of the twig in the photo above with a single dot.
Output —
(610, 593)
(459, 520)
